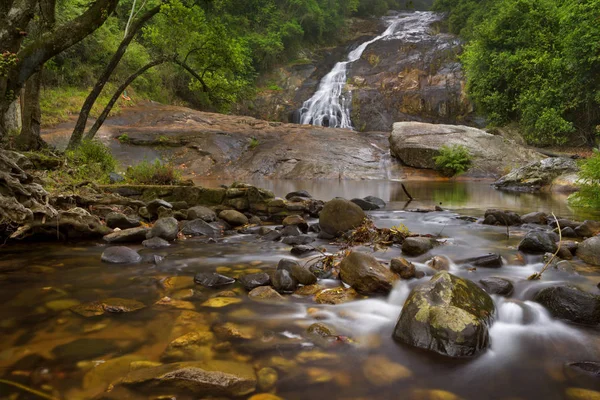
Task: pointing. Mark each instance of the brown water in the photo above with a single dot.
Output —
(46, 346)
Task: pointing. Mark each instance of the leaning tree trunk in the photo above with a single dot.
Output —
(30, 138)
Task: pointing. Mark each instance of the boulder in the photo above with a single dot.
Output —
(290, 230)
(212, 279)
(365, 274)
(121, 221)
(154, 205)
(265, 293)
(298, 272)
(403, 267)
(501, 218)
(201, 212)
(589, 250)
(588, 229)
(339, 216)
(155, 243)
(365, 205)
(537, 175)
(199, 227)
(301, 249)
(165, 228)
(233, 218)
(135, 235)
(296, 220)
(536, 217)
(415, 246)
(375, 200)
(485, 261)
(298, 193)
(416, 144)
(120, 255)
(496, 285)
(283, 281)
(439, 263)
(571, 304)
(252, 281)
(448, 315)
(537, 242)
(298, 240)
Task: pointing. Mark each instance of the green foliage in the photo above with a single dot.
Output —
(91, 161)
(156, 173)
(7, 60)
(589, 192)
(453, 160)
(124, 138)
(254, 142)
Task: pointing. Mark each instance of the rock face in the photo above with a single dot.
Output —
(416, 144)
(365, 274)
(589, 250)
(539, 175)
(339, 216)
(448, 315)
(570, 303)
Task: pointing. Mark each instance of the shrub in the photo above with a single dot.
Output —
(156, 173)
(254, 142)
(589, 192)
(92, 160)
(453, 160)
(124, 138)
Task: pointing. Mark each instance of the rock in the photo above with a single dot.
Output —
(219, 302)
(581, 394)
(319, 329)
(297, 221)
(502, 218)
(143, 212)
(201, 378)
(283, 281)
(365, 205)
(402, 267)
(199, 227)
(165, 228)
(537, 175)
(497, 285)
(267, 379)
(486, 261)
(588, 229)
(571, 304)
(233, 218)
(121, 221)
(564, 223)
(415, 246)
(365, 274)
(565, 266)
(301, 250)
(416, 144)
(290, 230)
(201, 212)
(193, 346)
(114, 177)
(337, 296)
(439, 263)
(536, 217)
(118, 305)
(120, 255)
(301, 274)
(568, 232)
(432, 394)
(298, 193)
(589, 250)
(265, 293)
(537, 242)
(381, 371)
(131, 235)
(339, 216)
(272, 236)
(153, 206)
(586, 367)
(103, 374)
(212, 279)
(84, 349)
(155, 243)
(375, 200)
(298, 240)
(564, 253)
(448, 315)
(252, 281)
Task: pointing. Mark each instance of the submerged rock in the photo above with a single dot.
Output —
(252, 281)
(265, 293)
(212, 279)
(155, 243)
(571, 304)
(339, 216)
(120, 255)
(365, 274)
(448, 315)
(589, 251)
(337, 296)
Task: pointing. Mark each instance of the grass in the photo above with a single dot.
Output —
(153, 173)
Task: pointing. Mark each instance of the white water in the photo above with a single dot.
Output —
(330, 105)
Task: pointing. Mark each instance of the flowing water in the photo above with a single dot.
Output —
(46, 346)
(330, 105)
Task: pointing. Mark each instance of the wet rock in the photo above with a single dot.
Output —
(381, 371)
(581, 394)
(589, 250)
(153, 206)
(486, 261)
(571, 245)
(315, 228)
(319, 329)
(448, 315)
(103, 374)
(233, 332)
(298, 193)
(155, 243)
(565, 266)
(339, 216)
(252, 281)
(568, 232)
(375, 200)
(403, 267)
(439, 263)
(283, 281)
(212, 279)
(571, 304)
(564, 253)
(365, 274)
(365, 205)
(272, 236)
(415, 246)
(219, 302)
(199, 227)
(121, 221)
(144, 213)
(84, 349)
(502, 218)
(496, 285)
(202, 378)
(298, 272)
(131, 235)
(536, 175)
(298, 240)
(337, 296)
(265, 293)
(165, 228)
(193, 346)
(586, 367)
(309, 290)
(267, 379)
(120, 255)
(536, 217)
(588, 229)
(564, 223)
(537, 242)
(290, 230)
(201, 212)
(301, 250)
(233, 218)
(296, 220)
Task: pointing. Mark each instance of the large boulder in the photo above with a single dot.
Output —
(537, 175)
(571, 304)
(203, 213)
(339, 216)
(415, 246)
(448, 315)
(416, 144)
(365, 274)
(589, 250)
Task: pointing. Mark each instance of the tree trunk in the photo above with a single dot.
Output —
(30, 138)
(92, 132)
(105, 76)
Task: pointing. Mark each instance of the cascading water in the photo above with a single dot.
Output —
(330, 105)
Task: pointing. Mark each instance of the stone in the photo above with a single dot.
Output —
(131, 235)
(107, 372)
(219, 302)
(402, 267)
(536, 217)
(199, 227)
(272, 236)
(447, 315)
(494, 216)
(589, 251)
(121, 221)
(114, 177)
(339, 216)
(119, 305)
(212, 279)
(301, 250)
(298, 193)
(381, 371)
(365, 205)
(283, 281)
(193, 346)
(568, 232)
(537, 175)
(267, 379)
(564, 223)
(153, 206)
(320, 329)
(337, 296)
(296, 220)
(265, 293)
(165, 228)
(581, 394)
(485, 261)
(497, 285)
(537, 242)
(588, 229)
(365, 274)
(290, 230)
(375, 200)
(84, 349)
(120, 255)
(439, 263)
(88, 310)
(298, 272)
(233, 218)
(591, 368)
(565, 266)
(298, 240)
(252, 281)
(203, 213)
(571, 304)
(155, 243)
(415, 246)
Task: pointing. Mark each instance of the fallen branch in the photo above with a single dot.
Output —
(538, 276)
(406, 192)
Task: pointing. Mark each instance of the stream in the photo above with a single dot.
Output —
(47, 346)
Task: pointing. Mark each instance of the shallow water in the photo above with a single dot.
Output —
(46, 346)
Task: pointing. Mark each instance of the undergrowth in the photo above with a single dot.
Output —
(153, 173)
(589, 192)
(453, 160)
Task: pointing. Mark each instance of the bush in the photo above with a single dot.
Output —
(589, 193)
(453, 160)
(92, 161)
(156, 173)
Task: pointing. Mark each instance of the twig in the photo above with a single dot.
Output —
(28, 389)
(537, 276)
(406, 191)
